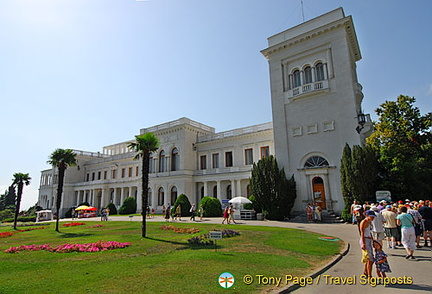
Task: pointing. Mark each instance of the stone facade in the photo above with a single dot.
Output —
(316, 105)
(192, 159)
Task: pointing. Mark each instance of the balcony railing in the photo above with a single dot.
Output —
(307, 89)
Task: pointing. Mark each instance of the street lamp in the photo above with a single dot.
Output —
(361, 119)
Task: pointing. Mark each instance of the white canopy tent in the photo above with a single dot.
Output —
(44, 215)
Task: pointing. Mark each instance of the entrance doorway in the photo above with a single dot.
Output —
(318, 192)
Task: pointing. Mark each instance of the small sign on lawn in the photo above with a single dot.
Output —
(215, 235)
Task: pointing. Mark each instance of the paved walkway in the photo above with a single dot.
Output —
(409, 276)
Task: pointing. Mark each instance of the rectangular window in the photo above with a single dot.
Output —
(215, 160)
(203, 162)
(130, 172)
(265, 152)
(88, 177)
(105, 174)
(99, 175)
(248, 156)
(93, 176)
(152, 164)
(123, 172)
(137, 171)
(228, 159)
(113, 174)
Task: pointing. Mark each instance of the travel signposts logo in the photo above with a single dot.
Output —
(226, 280)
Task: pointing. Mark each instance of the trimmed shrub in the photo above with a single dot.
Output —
(182, 200)
(346, 215)
(7, 213)
(22, 219)
(211, 206)
(129, 206)
(112, 208)
(68, 213)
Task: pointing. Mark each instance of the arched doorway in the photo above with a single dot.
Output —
(318, 192)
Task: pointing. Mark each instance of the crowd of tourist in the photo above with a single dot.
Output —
(399, 224)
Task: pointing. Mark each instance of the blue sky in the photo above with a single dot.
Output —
(84, 74)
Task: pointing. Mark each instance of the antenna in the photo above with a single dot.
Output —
(302, 9)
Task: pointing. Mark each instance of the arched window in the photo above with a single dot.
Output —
(175, 159)
(316, 161)
(319, 71)
(162, 161)
(308, 75)
(149, 196)
(296, 79)
(161, 196)
(229, 192)
(173, 195)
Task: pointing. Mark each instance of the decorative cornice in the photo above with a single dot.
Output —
(346, 23)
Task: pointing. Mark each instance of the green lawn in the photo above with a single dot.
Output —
(162, 263)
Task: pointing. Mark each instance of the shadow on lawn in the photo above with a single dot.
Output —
(73, 235)
(168, 241)
(186, 245)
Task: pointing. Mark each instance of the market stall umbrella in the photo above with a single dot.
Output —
(91, 208)
(82, 207)
(239, 200)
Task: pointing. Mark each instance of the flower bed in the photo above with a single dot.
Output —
(205, 239)
(9, 234)
(73, 224)
(66, 248)
(6, 234)
(180, 230)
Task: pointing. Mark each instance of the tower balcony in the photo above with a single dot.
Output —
(307, 89)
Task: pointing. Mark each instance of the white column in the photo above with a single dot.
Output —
(92, 197)
(138, 199)
(233, 188)
(219, 191)
(325, 68)
(206, 189)
(329, 63)
(103, 200)
(238, 188)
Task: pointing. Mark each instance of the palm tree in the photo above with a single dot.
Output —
(144, 144)
(61, 158)
(19, 180)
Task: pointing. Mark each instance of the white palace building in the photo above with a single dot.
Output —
(316, 106)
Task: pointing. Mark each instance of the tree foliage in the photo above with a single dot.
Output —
(7, 200)
(144, 145)
(274, 193)
(62, 159)
(359, 173)
(403, 139)
(346, 175)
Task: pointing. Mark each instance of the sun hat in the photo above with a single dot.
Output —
(370, 213)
